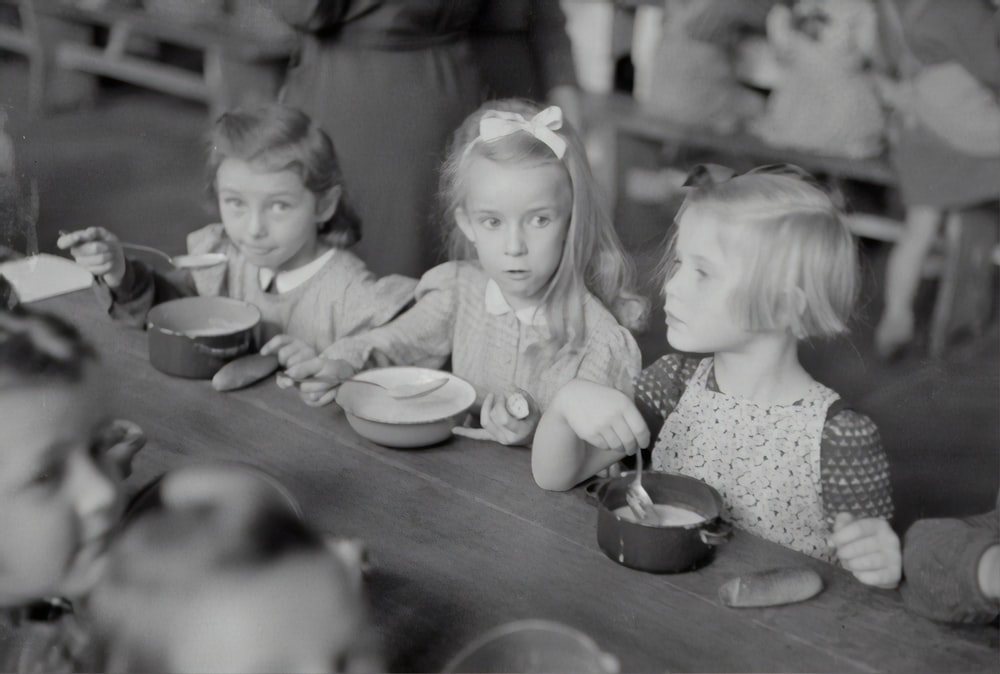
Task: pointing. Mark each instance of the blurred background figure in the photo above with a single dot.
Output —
(390, 80)
(945, 135)
(522, 50)
(215, 571)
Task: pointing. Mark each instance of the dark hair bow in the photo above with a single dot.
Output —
(708, 175)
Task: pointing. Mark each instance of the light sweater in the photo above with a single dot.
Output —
(496, 352)
(342, 298)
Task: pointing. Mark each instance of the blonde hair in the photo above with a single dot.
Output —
(593, 258)
(799, 259)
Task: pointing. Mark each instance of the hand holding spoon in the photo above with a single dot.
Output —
(72, 240)
(636, 496)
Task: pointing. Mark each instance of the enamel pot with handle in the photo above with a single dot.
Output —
(195, 336)
(659, 546)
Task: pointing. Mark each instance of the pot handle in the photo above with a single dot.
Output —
(594, 490)
(224, 353)
(716, 533)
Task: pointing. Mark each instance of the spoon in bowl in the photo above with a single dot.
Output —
(636, 495)
(404, 391)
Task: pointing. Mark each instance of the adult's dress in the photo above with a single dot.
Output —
(389, 80)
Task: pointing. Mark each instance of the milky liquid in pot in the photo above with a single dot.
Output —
(663, 515)
(213, 328)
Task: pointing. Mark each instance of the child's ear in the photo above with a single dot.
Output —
(327, 205)
(464, 224)
(793, 308)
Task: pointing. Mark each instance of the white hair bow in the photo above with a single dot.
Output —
(496, 124)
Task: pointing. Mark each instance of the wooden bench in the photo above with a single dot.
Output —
(629, 136)
(238, 66)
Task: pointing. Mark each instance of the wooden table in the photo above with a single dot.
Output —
(462, 540)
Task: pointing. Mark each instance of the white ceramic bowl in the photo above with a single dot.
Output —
(527, 646)
(412, 422)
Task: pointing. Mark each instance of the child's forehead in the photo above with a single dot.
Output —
(42, 420)
(702, 228)
(514, 181)
(234, 172)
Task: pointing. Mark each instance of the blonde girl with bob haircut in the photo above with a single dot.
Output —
(757, 263)
(538, 290)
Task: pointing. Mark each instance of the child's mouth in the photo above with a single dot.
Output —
(255, 250)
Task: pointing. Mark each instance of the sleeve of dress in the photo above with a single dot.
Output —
(550, 44)
(941, 568)
(421, 335)
(141, 289)
(369, 302)
(612, 359)
(854, 468)
(659, 387)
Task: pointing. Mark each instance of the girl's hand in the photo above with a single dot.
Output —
(869, 549)
(98, 251)
(123, 440)
(602, 416)
(503, 419)
(289, 350)
(317, 379)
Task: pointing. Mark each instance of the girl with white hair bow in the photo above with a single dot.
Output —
(538, 290)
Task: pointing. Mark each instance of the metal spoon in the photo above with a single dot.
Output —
(404, 391)
(181, 261)
(636, 496)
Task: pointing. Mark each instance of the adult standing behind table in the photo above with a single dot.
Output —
(523, 51)
(390, 80)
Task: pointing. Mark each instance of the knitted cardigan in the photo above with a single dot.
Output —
(941, 567)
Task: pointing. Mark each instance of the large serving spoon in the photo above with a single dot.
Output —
(636, 495)
(404, 391)
(191, 261)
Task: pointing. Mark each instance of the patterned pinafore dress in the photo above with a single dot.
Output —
(764, 461)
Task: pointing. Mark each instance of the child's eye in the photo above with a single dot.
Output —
(490, 223)
(48, 476)
(540, 220)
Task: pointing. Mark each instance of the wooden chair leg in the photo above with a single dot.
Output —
(966, 293)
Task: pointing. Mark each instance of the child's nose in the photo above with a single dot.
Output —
(515, 243)
(256, 225)
(670, 287)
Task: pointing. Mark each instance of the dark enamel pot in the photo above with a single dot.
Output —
(195, 336)
(660, 549)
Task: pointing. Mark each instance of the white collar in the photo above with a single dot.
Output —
(293, 278)
(498, 305)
